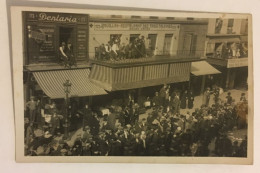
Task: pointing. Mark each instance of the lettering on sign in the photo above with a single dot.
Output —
(57, 18)
(134, 26)
(239, 62)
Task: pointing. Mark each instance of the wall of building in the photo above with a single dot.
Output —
(101, 35)
(238, 26)
(200, 30)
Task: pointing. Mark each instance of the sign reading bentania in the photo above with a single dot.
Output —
(56, 17)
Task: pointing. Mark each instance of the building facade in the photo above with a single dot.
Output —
(47, 37)
(111, 53)
(170, 47)
(227, 50)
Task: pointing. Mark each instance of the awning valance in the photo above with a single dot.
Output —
(51, 82)
(202, 68)
(123, 78)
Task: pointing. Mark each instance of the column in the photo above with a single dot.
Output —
(227, 79)
(203, 84)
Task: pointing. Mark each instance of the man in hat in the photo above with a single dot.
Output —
(87, 114)
(243, 97)
(86, 135)
(70, 54)
(206, 97)
(62, 54)
(176, 104)
(229, 98)
(162, 94)
(216, 95)
(77, 147)
(142, 145)
(156, 100)
(32, 104)
(55, 123)
(111, 119)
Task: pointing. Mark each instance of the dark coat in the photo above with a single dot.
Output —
(87, 114)
(184, 101)
(190, 100)
(142, 148)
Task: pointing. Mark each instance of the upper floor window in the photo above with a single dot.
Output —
(190, 18)
(218, 25)
(136, 17)
(230, 26)
(170, 18)
(154, 17)
(116, 16)
(189, 44)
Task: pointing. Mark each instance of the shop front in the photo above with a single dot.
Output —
(234, 72)
(202, 76)
(45, 33)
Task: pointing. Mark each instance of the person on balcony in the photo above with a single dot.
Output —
(142, 47)
(114, 50)
(101, 52)
(225, 51)
(122, 51)
(63, 57)
(69, 52)
(108, 50)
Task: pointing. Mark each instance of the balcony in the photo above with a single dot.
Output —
(228, 61)
(161, 57)
(130, 73)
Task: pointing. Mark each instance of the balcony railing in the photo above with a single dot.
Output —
(230, 55)
(147, 55)
(228, 61)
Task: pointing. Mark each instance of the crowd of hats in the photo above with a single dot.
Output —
(162, 133)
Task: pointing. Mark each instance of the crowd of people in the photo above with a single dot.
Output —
(121, 132)
(235, 50)
(114, 50)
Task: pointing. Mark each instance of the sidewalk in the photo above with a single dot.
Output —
(198, 99)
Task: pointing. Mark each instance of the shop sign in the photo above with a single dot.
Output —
(238, 62)
(56, 17)
(134, 27)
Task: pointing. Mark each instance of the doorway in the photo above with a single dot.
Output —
(66, 34)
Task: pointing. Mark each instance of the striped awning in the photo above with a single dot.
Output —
(139, 76)
(51, 82)
(202, 68)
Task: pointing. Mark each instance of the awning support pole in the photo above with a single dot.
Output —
(203, 84)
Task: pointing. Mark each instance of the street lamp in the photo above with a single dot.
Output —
(66, 124)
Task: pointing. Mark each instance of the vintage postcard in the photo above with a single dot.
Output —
(133, 86)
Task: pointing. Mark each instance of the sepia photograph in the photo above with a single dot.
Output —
(99, 85)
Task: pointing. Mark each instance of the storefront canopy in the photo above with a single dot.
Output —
(203, 68)
(139, 76)
(51, 82)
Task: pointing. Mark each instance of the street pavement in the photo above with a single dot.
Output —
(239, 134)
(198, 99)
